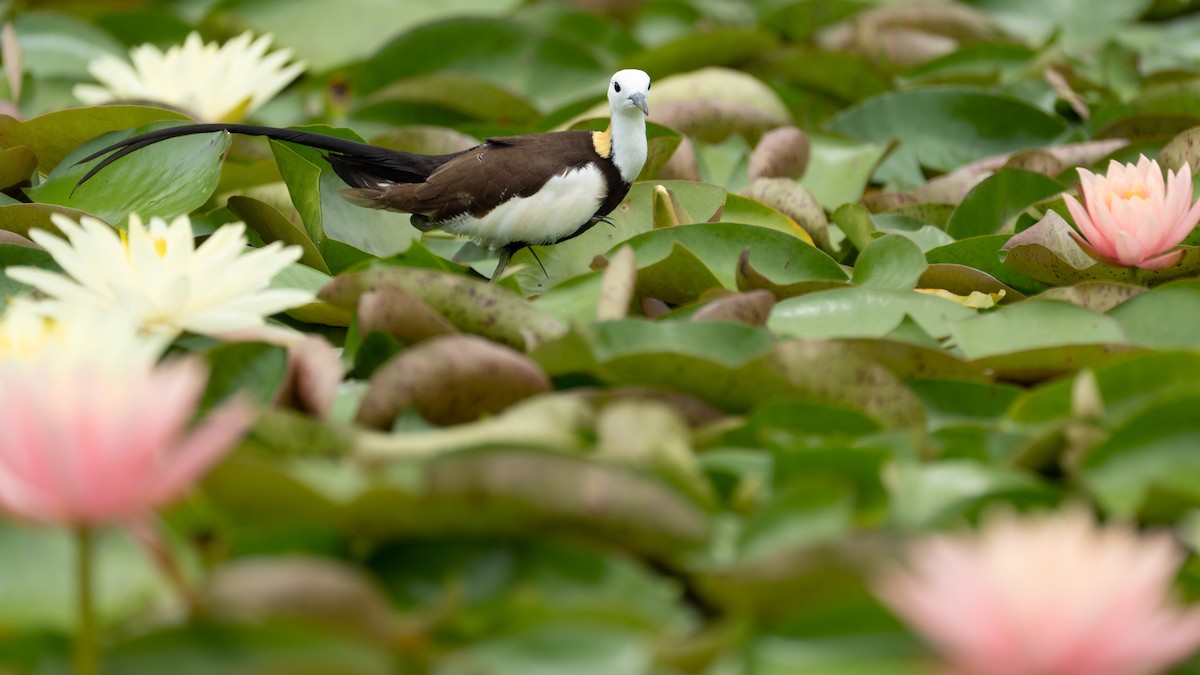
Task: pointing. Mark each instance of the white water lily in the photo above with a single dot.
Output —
(81, 334)
(214, 83)
(160, 278)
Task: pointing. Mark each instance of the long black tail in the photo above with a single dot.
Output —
(359, 164)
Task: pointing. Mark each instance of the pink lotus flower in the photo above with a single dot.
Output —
(91, 439)
(1131, 217)
(1052, 595)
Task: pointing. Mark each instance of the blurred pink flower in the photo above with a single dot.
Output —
(95, 441)
(1050, 595)
(1131, 216)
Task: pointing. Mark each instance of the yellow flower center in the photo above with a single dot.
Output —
(25, 337)
(1135, 191)
(160, 243)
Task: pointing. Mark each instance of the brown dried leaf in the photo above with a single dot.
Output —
(781, 153)
(683, 164)
(425, 140)
(450, 379)
(315, 373)
(1038, 161)
(315, 590)
(712, 120)
(1098, 296)
(751, 307)
(472, 306)
(617, 285)
(796, 202)
(1183, 149)
(14, 60)
(398, 313)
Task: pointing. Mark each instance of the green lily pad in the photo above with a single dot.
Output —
(1034, 325)
(839, 168)
(676, 279)
(17, 164)
(697, 49)
(1150, 449)
(37, 595)
(750, 279)
(963, 280)
(1166, 317)
(21, 218)
(984, 254)
(891, 261)
(1125, 387)
(164, 179)
(12, 255)
(945, 127)
(55, 135)
(855, 222)
(356, 30)
(267, 222)
(727, 344)
(316, 192)
(720, 245)
(545, 68)
(863, 313)
(467, 95)
(989, 206)
(56, 44)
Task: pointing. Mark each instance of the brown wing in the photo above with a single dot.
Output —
(488, 175)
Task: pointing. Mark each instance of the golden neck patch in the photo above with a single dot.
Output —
(602, 142)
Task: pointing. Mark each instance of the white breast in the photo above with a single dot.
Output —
(562, 205)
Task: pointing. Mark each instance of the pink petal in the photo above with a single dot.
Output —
(1084, 222)
(206, 445)
(1111, 227)
(1129, 249)
(1177, 202)
(1090, 250)
(1163, 260)
(1184, 226)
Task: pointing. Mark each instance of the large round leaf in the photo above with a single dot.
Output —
(165, 179)
(863, 312)
(945, 127)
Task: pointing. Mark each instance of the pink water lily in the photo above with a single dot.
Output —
(1051, 595)
(1131, 217)
(92, 430)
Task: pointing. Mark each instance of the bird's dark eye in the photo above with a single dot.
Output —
(617, 87)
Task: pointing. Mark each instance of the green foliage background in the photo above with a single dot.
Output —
(685, 445)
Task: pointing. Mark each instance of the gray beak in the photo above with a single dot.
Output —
(640, 99)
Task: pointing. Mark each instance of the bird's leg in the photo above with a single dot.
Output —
(539, 262)
(506, 254)
(603, 219)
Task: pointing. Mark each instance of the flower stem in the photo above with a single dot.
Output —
(87, 661)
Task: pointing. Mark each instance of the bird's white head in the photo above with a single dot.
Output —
(628, 91)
